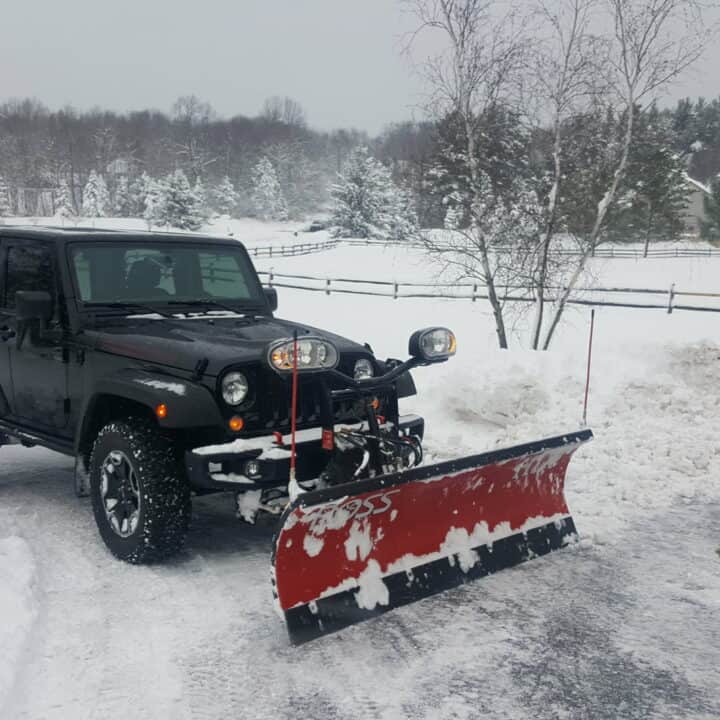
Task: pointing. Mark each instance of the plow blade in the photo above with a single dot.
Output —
(351, 552)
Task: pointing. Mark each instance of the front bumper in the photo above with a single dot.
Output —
(223, 467)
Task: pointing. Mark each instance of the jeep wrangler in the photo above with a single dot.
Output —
(155, 360)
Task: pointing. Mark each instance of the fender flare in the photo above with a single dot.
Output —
(189, 404)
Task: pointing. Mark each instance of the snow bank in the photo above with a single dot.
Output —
(18, 606)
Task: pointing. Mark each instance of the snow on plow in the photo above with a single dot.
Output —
(354, 551)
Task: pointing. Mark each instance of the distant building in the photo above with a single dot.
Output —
(695, 211)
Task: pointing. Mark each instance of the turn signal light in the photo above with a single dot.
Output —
(161, 411)
(236, 423)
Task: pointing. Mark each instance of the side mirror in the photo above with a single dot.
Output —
(271, 297)
(33, 305)
(433, 344)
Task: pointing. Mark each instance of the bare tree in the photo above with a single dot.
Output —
(475, 74)
(653, 42)
(565, 67)
(284, 110)
(192, 118)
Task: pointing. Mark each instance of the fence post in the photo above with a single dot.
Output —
(270, 278)
(474, 293)
(271, 251)
(395, 291)
(671, 296)
(327, 286)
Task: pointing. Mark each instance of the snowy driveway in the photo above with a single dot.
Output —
(624, 629)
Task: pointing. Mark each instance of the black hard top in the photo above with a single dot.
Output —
(75, 234)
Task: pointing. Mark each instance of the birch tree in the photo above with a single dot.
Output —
(476, 74)
(566, 68)
(651, 44)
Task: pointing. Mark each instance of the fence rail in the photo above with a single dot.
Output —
(473, 292)
(292, 249)
(608, 251)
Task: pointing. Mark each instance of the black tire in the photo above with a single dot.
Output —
(161, 493)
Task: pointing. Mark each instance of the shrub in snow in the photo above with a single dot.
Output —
(65, 206)
(225, 197)
(95, 199)
(367, 204)
(267, 196)
(4, 198)
(176, 204)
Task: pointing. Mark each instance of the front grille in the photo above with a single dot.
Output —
(272, 395)
(274, 404)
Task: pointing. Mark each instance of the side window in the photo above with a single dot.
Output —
(28, 267)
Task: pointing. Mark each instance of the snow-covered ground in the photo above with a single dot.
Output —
(624, 625)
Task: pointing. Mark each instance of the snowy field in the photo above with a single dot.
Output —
(623, 625)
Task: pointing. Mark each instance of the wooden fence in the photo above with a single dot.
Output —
(665, 299)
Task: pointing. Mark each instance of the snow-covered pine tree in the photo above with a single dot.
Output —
(710, 227)
(178, 204)
(225, 197)
(367, 204)
(65, 206)
(123, 205)
(267, 196)
(202, 201)
(455, 211)
(5, 209)
(95, 200)
(404, 224)
(151, 194)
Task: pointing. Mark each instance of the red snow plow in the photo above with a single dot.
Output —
(354, 550)
(351, 552)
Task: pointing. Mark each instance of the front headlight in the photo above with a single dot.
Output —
(234, 388)
(313, 354)
(433, 344)
(363, 369)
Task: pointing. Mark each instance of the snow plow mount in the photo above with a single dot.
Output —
(354, 551)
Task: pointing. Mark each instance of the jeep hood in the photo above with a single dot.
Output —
(223, 341)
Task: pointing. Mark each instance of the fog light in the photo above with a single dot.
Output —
(253, 470)
(236, 423)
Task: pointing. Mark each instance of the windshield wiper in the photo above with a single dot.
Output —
(206, 303)
(133, 307)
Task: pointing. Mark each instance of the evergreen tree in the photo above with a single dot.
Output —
(710, 227)
(150, 196)
(178, 205)
(225, 197)
(501, 146)
(203, 209)
(65, 207)
(655, 194)
(267, 196)
(5, 209)
(367, 204)
(95, 200)
(123, 205)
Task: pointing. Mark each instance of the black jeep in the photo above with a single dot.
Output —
(156, 362)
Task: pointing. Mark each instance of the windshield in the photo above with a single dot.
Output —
(146, 273)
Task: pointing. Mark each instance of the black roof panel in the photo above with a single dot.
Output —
(70, 234)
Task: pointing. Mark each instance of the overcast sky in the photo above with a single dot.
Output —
(339, 58)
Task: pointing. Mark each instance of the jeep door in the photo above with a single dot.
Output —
(37, 361)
